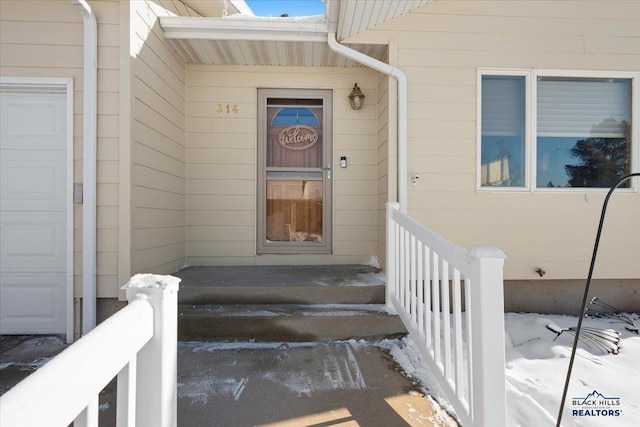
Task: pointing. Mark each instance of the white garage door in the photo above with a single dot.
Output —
(33, 212)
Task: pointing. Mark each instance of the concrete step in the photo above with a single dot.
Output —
(289, 323)
(335, 284)
(305, 294)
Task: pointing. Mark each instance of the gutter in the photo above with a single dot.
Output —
(401, 79)
(89, 165)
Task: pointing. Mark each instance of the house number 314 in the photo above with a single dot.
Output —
(227, 109)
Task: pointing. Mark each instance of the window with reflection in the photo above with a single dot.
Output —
(581, 138)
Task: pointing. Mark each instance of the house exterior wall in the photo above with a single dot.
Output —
(441, 46)
(158, 151)
(45, 39)
(221, 163)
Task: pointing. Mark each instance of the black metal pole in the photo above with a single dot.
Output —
(586, 291)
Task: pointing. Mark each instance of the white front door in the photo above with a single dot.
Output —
(33, 212)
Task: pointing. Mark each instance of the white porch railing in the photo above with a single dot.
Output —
(138, 344)
(451, 302)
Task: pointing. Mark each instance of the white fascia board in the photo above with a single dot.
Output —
(193, 28)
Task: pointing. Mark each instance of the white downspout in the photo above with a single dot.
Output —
(400, 77)
(89, 144)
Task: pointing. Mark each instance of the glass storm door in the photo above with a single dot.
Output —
(294, 171)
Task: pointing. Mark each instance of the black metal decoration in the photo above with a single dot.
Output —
(605, 340)
(600, 309)
(586, 290)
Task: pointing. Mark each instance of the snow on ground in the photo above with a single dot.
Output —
(536, 367)
(406, 354)
(603, 390)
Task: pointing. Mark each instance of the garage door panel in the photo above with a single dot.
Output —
(33, 242)
(34, 203)
(33, 121)
(33, 180)
(32, 303)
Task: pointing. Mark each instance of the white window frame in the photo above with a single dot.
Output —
(531, 85)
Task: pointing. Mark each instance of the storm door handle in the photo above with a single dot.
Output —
(328, 169)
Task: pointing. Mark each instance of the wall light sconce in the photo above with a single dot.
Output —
(356, 97)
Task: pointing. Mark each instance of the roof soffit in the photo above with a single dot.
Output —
(246, 40)
(243, 28)
(355, 16)
(268, 52)
(206, 7)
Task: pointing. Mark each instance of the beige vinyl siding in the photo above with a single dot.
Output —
(221, 159)
(45, 39)
(108, 181)
(441, 47)
(158, 153)
(383, 159)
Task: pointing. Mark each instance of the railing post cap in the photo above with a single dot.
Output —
(153, 281)
(486, 251)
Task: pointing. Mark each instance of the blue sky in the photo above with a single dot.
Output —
(292, 7)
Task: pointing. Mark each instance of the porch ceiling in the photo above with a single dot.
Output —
(253, 41)
(275, 53)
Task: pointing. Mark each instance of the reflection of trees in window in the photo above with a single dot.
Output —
(602, 160)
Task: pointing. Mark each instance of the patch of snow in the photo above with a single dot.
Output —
(309, 310)
(373, 262)
(197, 388)
(32, 364)
(368, 279)
(536, 368)
(406, 354)
(486, 252)
(317, 282)
(152, 281)
(340, 372)
(338, 310)
(197, 346)
(537, 365)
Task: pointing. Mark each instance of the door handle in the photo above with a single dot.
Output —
(328, 169)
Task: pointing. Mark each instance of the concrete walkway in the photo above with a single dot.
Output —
(267, 384)
(306, 384)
